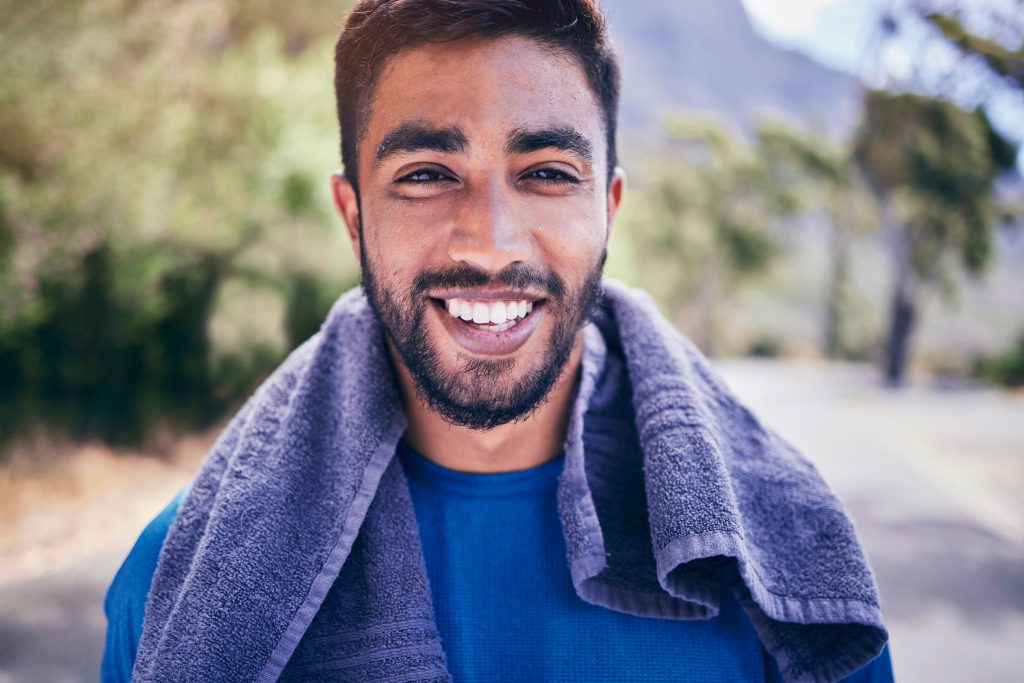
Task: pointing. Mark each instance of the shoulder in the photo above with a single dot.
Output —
(125, 601)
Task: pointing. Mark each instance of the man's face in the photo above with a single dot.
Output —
(483, 220)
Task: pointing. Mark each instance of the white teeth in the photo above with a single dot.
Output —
(500, 328)
(490, 315)
(497, 312)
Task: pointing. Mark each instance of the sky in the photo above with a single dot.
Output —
(844, 34)
(835, 32)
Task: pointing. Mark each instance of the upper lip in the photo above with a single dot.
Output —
(490, 295)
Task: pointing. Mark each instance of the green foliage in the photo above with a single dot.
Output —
(1006, 369)
(765, 347)
(150, 155)
(1007, 63)
(1002, 151)
(704, 224)
(932, 166)
(95, 366)
(821, 177)
(797, 158)
(938, 164)
(309, 300)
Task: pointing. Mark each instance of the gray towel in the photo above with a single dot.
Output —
(296, 554)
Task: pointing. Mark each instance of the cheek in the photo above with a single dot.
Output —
(409, 236)
(573, 244)
(393, 243)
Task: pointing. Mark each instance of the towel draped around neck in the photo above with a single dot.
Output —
(296, 554)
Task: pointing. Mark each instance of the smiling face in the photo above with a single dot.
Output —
(483, 218)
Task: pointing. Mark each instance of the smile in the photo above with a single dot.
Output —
(494, 316)
(490, 326)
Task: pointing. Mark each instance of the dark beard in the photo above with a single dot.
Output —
(479, 394)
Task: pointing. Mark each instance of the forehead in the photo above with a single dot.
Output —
(486, 87)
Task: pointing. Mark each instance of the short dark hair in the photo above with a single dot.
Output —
(376, 30)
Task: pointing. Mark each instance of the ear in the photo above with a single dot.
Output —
(347, 206)
(616, 195)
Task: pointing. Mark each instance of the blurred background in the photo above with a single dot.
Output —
(825, 195)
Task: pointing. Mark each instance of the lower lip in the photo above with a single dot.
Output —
(486, 342)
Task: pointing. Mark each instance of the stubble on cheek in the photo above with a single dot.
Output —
(465, 390)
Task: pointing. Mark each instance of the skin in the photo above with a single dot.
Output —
(484, 207)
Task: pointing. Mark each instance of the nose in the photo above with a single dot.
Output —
(490, 232)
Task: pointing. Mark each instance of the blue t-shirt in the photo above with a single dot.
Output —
(503, 529)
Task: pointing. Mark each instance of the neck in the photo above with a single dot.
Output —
(520, 445)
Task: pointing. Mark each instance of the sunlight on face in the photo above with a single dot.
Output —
(482, 180)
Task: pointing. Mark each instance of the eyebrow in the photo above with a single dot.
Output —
(415, 137)
(564, 138)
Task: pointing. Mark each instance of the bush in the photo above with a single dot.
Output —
(149, 153)
(1006, 369)
(95, 364)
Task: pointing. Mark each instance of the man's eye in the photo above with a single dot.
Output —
(424, 175)
(552, 175)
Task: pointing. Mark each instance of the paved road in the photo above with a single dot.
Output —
(934, 481)
(51, 628)
(51, 591)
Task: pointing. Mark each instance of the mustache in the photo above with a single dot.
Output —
(513, 276)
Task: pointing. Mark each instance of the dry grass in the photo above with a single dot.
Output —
(60, 501)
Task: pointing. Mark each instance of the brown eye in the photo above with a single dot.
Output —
(551, 175)
(423, 175)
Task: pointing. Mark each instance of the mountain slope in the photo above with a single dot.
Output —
(697, 54)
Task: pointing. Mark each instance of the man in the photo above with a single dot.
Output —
(489, 464)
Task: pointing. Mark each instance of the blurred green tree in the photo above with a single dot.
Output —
(1007, 368)
(819, 174)
(931, 166)
(705, 225)
(1007, 63)
(154, 156)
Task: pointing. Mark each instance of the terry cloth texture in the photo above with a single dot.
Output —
(296, 554)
